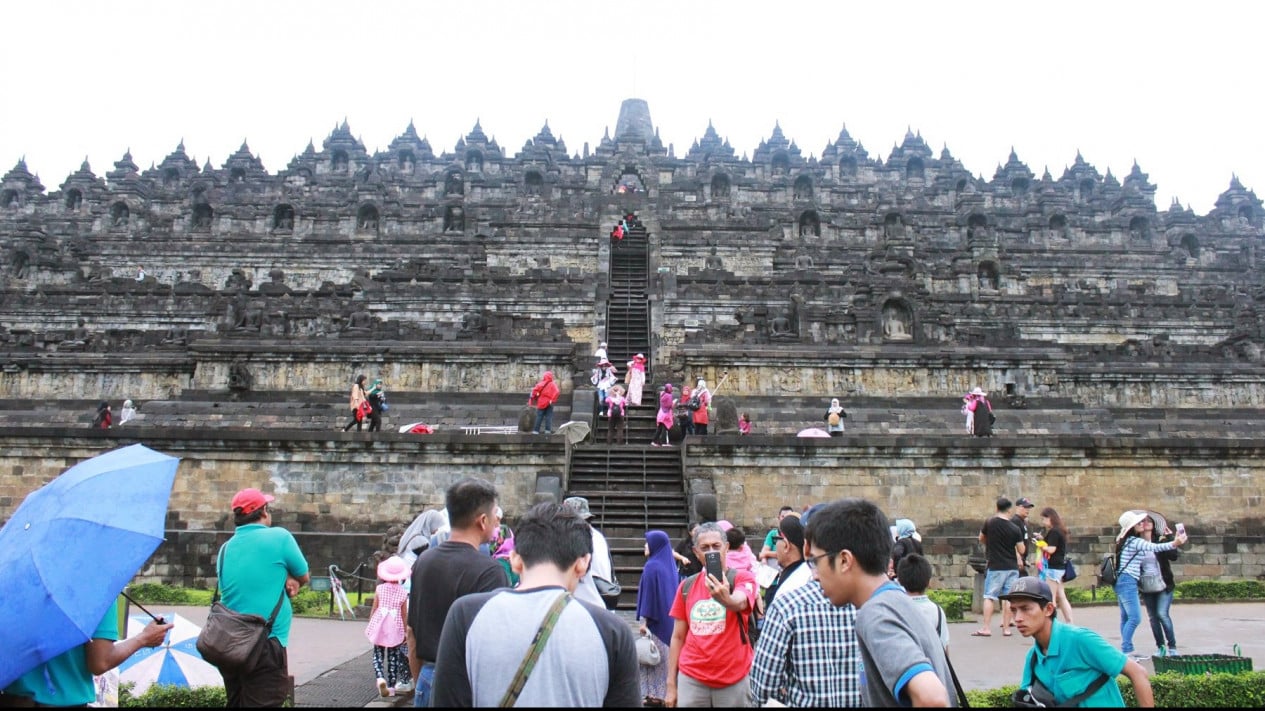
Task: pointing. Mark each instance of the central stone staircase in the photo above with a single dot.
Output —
(632, 488)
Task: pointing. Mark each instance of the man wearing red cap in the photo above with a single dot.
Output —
(259, 568)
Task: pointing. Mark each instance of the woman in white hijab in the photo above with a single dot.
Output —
(834, 418)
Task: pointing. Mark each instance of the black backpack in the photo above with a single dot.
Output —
(750, 632)
(695, 402)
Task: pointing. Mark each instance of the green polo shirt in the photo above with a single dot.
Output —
(1073, 660)
(252, 573)
(65, 680)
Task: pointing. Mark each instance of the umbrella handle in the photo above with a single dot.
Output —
(152, 616)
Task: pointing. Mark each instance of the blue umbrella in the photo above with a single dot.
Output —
(71, 547)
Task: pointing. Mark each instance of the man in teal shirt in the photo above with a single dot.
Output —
(1067, 659)
(66, 680)
(258, 569)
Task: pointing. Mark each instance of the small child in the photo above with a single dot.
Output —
(914, 574)
(386, 627)
(744, 424)
(616, 409)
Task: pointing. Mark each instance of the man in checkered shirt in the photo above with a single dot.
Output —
(807, 652)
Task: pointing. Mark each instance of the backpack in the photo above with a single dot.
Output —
(1108, 570)
(749, 632)
(695, 402)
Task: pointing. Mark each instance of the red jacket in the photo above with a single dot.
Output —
(546, 391)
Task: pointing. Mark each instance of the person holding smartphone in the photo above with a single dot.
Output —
(710, 655)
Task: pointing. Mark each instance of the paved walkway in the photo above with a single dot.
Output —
(330, 659)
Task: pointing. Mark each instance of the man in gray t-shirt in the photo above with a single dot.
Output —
(589, 658)
(849, 549)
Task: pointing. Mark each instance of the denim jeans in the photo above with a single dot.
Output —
(421, 689)
(544, 415)
(1130, 609)
(1157, 605)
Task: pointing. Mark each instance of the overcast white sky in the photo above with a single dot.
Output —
(1176, 86)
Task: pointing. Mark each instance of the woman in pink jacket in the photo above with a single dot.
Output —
(663, 420)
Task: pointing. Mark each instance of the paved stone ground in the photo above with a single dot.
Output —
(331, 659)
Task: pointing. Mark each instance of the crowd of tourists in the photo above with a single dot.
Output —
(832, 611)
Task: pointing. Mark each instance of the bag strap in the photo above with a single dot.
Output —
(1119, 568)
(1075, 700)
(731, 576)
(533, 653)
(963, 702)
(215, 596)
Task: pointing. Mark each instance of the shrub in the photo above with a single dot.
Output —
(954, 602)
(167, 696)
(157, 593)
(1220, 589)
(1171, 690)
(1081, 596)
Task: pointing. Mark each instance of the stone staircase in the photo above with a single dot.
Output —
(627, 309)
(631, 489)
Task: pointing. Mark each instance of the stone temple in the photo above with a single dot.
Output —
(1121, 345)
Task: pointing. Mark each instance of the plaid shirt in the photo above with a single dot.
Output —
(807, 653)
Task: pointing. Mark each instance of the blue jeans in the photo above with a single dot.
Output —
(421, 688)
(1157, 605)
(544, 415)
(998, 583)
(1130, 609)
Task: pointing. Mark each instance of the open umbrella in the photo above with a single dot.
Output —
(70, 548)
(175, 662)
(813, 432)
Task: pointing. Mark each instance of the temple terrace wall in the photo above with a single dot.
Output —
(339, 492)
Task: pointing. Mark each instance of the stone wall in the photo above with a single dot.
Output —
(340, 493)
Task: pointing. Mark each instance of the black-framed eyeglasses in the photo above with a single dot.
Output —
(812, 561)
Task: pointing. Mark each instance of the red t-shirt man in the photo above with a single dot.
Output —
(713, 653)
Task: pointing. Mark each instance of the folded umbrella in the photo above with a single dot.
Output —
(71, 547)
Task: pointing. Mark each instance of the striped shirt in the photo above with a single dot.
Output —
(1134, 550)
(807, 653)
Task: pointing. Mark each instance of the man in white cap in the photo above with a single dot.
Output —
(601, 563)
(1073, 665)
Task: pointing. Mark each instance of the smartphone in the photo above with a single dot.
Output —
(711, 561)
(1181, 529)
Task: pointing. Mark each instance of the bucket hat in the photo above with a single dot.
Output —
(394, 570)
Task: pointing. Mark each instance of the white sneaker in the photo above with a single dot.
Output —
(1139, 657)
(404, 687)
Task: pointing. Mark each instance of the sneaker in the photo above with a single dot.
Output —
(382, 687)
(1138, 657)
(404, 687)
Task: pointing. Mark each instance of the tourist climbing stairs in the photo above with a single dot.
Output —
(631, 489)
(628, 327)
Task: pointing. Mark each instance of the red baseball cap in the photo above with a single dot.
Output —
(250, 500)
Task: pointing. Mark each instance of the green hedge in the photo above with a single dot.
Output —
(166, 696)
(157, 593)
(954, 602)
(1171, 690)
(1220, 589)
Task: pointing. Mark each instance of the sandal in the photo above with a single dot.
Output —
(981, 633)
(1007, 633)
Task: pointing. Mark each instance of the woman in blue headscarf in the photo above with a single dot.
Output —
(655, 594)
